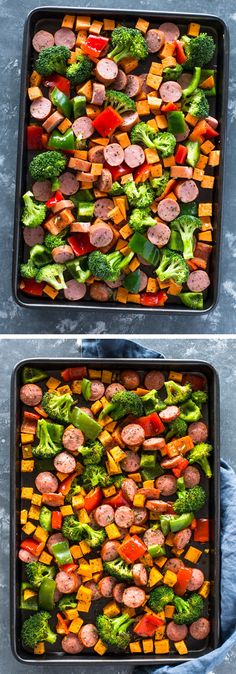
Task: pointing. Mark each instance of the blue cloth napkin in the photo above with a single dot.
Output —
(121, 348)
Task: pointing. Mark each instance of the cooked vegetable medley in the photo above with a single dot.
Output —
(122, 156)
(113, 522)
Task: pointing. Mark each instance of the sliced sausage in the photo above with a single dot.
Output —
(182, 538)
(80, 227)
(152, 444)
(157, 506)
(97, 390)
(129, 120)
(182, 136)
(186, 191)
(130, 379)
(65, 37)
(33, 236)
(53, 121)
(131, 463)
(86, 410)
(104, 182)
(104, 515)
(96, 594)
(40, 108)
(170, 30)
(168, 210)
(143, 281)
(159, 234)
(83, 128)
(198, 281)
(109, 551)
(129, 489)
(134, 156)
(133, 597)
(53, 500)
(169, 414)
(68, 183)
(42, 190)
(154, 380)
(100, 234)
(181, 172)
(184, 80)
(62, 254)
(149, 492)
(46, 482)
(98, 96)
(153, 537)
(31, 394)
(140, 516)
(132, 435)
(114, 154)
(176, 632)
(117, 283)
(64, 203)
(100, 292)
(26, 556)
(106, 586)
(118, 591)
(72, 439)
(198, 431)
(102, 208)
(42, 40)
(106, 71)
(67, 582)
(212, 121)
(120, 81)
(140, 574)
(167, 484)
(54, 538)
(170, 91)
(155, 39)
(96, 154)
(64, 462)
(71, 644)
(200, 629)
(170, 463)
(196, 580)
(74, 290)
(124, 517)
(145, 88)
(133, 86)
(174, 564)
(191, 476)
(112, 389)
(88, 635)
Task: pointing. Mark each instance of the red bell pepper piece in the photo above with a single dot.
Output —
(93, 499)
(197, 382)
(201, 533)
(118, 171)
(94, 45)
(152, 424)
(34, 137)
(65, 486)
(181, 154)
(117, 500)
(193, 524)
(168, 107)
(56, 521)
(63, 623)
(179, 52)
(32, 546)
(72, 373)
(29, 286)
(183, 577)
(153, 299)
(69, 568)
(45, 140)
(29, 423)
(58, 196)
(107, 121)
(146, 627)
(210, 132)
(80, 244)
(142, 173)
(132, 549)
(59, 82)
(183, 463)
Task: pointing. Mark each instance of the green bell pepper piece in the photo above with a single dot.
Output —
(181, 484)
(148, 460)
(79, 106)
(151, 474)
(61, 141)
(30, 375)
(193, 153)
(61, 102)
(76, 269)
(140, 245)
(86, 424)
(45, 518)
(30, 604)
(46, 594)
(188, 209)
(86, 388)
(181, 522)
(62, 553)
(204, 75)
(156, 550)
(175, 242)
(192, 300)
(85, 211)
(165, 523)
(194, 82)
(39, 255)
(176, 122)
(82, 195)
(132, 281)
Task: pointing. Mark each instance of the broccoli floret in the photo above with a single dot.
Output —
(36, 628)
(54, 240)
(92, 453)
(108, 266)
(172, 266)
(53, 275)
(200, 454)
(190, 500)
(186, 225)
(160, 597)
(52, 59)
(39, 255)
(143, 133)
(176, 393)
(116, 190)
(46, 165)
(172, 73)
(113, 631)
(123, 403)
(165, 143)
(74, 530)
(159, 184)
(94, 537)
(34, 212)
(94, 476)
(28, 269)
(50, 437)
(139, 195)
(119, 101)
(197, 105)
(127, 42)
(140, 219)
(190, 412)
(199, 397)
(176, 429)
(36, 572)
(67, 601)
(80, 71)
(188, 610)
(75, 489)
(152, 402)
(58, 407)
(119, 569)
(199, 50)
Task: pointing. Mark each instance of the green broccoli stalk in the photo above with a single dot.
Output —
(52, 59)
(143, 133)
(50, 438)
(58, 407)
(28, 269)
(92, 453)
(172, 73)
(36, 572)
(75, 489)
(165, 143)
(53, 275)
(67, 601)
(152, 402)
(116, 190)
(139, 195)
(123, 403)
(127, 42)
(46, 165)
(119, 569)
(141, 219)
(113, 631)
(160, 597)
(119, 101)
(200, 454)
(54, 240)
(176, 393)
(199, 397)
(188, 610)
(172, 266)
(186, 226)
(74, 530)
(176, 429)
(108, 266)
(197, 104)
(80, 71)
(34, 213)
(199, 50)
(95, 476)
(190, 500)
(36, 628)
(159, 184)
(190, 412)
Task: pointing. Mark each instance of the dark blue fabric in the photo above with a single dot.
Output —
(121, 348)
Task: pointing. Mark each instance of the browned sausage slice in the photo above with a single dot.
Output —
(153, 537)
(68, 183)
(72, 439)
(62, 254)
(109, 551)
(157, 506)
(106, 586)
(145, 88)
(155, 39)
(198, 281)
(67, 582)
(130, 379)
(133, 597)
(118, 591)
(83, 128)
(54, 538)
(129, 120)
(74, 290)
(97, 390)
(181, 172)
(167, 484)
(96, 594)
(104, 182)
(182, 136)
(140, 574)
(134, 156)
(53, 500)
(133, 86)
(65, 37)
(170, 30)
(100, 292)
(196, 580)
(140, 516)
(132, 435)
(169, 414)
(200, 629)
(96, 154)
(64, 203)
(168, 209)
(112, 389)
(71, 644)
(124, 517)
(88, 635)
(170, 91)
(152, 444)
(182, 538)
(186, 191)
(104, 515)
(98, 96)
(174, 564)
(46, 482)
(26, 556)
(106, 71)
(31, 394)
(191, 476)
(42, 40)
(120, 81)
(102, 208)
(129, 489)
(114, 154)
(42, 190)
(176, 632)
(100, 234)
(64, 462)
(33, 236)
(131, 463)
(154, 380)
(53, 121)
(40, 108)
(159, 234)
(198, 431)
